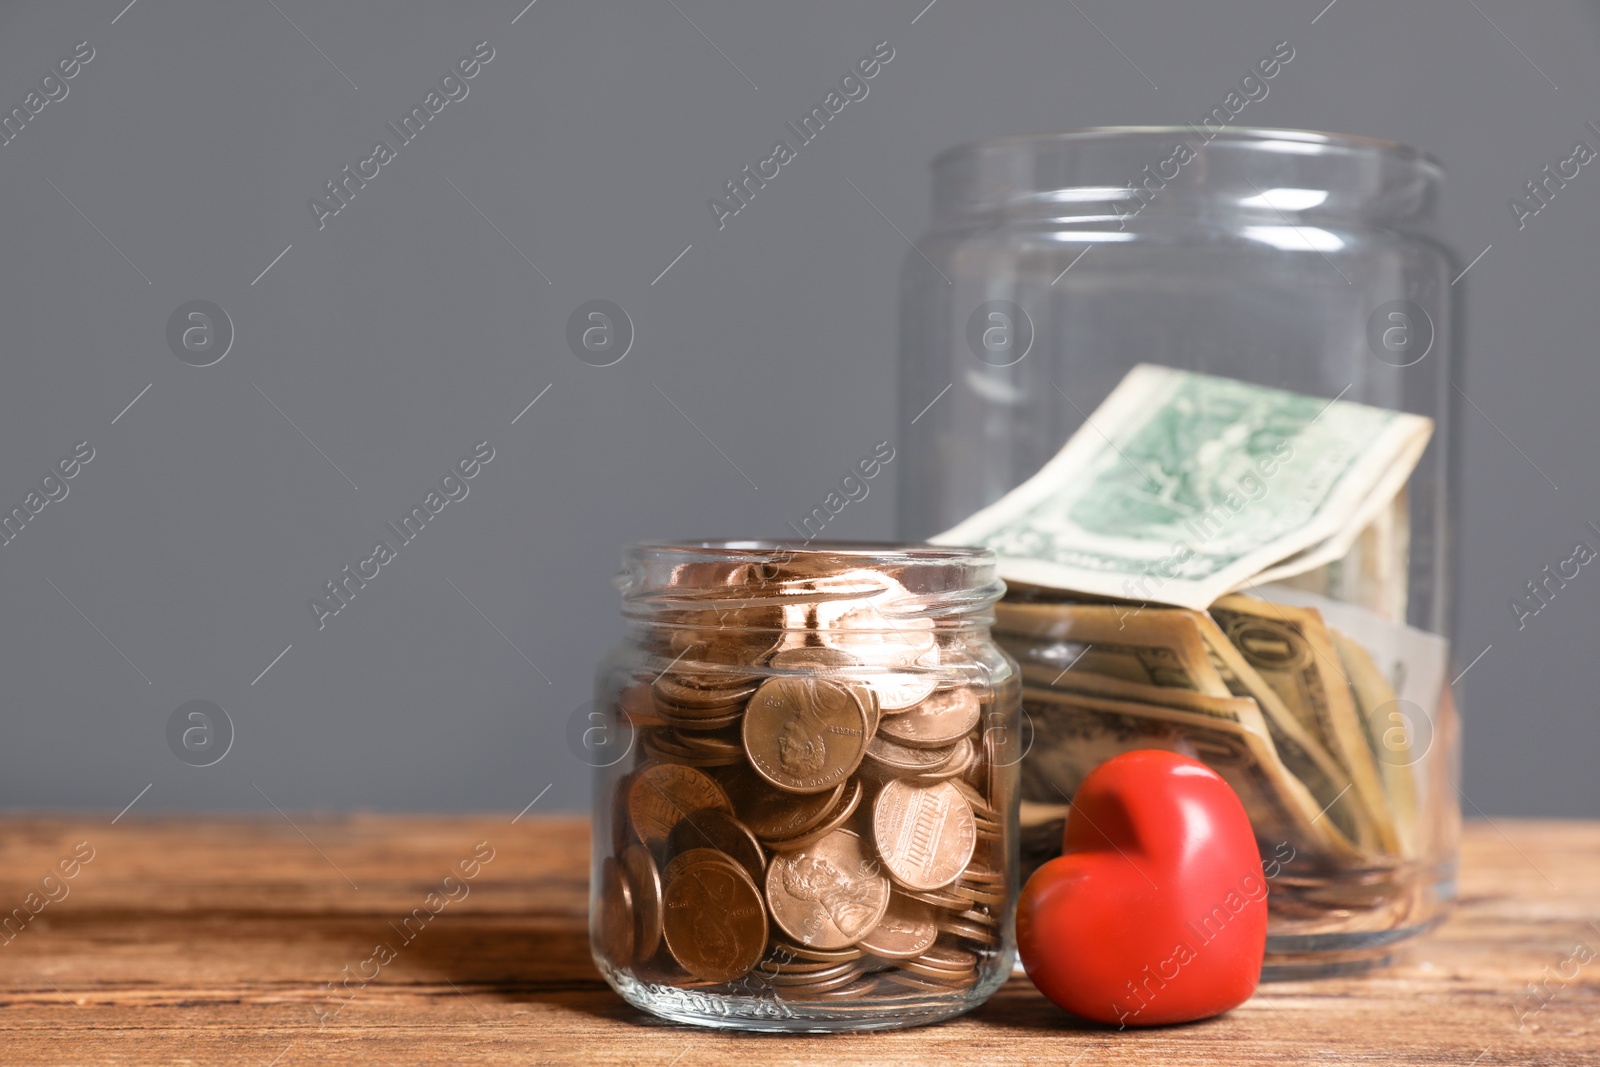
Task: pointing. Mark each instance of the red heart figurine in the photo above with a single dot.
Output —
(1157, 911)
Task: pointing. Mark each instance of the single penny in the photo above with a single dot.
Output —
(675, 696)
(776, 965)
(860, 987)
(978, 874)
(812, 656)
(688, 858)
(939, 974)
(663, 794)
(898, 759)
(822, 972)
(817, 986)
(774, 816)
(941, 899)
(980, 804)
(939, 721)
(788, 950)
(644, 881)
(869, 697)
(703, 718)
(994, 898)
(614, 925)
(907, 930)
(959, 760)
(949, 956)
(713, 919)
(908, 986)
(925, 969)
(667, 749)
(713, 828)
(835, 819)
(901, 690)
(828, 895)
(710, 745)
(986, 824)
(983, 935)
(805, 735)
(925, 833)
(718, 722)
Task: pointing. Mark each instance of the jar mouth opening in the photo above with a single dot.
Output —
(1262, 138)
(758, 550)
(887, 581)
(1136, 175)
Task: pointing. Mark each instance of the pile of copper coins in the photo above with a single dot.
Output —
(815, 803)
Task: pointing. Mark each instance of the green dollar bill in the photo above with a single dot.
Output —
(1182, 486)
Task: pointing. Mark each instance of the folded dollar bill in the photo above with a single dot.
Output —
(1182, 487)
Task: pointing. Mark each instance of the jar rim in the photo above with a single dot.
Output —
(1259, 136)
(760, 549)
(920, 578)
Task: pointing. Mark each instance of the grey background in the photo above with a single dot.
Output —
(408, 329)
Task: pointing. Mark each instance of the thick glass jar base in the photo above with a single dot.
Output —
(772, 1013)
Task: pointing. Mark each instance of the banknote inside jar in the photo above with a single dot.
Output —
(817, 802)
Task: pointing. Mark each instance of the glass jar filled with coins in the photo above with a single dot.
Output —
(806, 813)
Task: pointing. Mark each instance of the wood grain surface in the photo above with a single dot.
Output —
(224, 941)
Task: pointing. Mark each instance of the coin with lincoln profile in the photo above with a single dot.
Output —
(805, 735)
(829, 895)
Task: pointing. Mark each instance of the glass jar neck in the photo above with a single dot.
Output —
(1118, 175)
(884, 586)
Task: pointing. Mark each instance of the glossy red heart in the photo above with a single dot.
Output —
(1157, 911)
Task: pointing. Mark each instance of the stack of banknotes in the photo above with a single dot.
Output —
(1219, 568)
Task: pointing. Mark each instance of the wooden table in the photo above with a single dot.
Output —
(214, 941)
